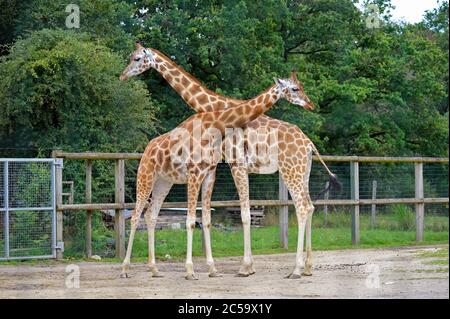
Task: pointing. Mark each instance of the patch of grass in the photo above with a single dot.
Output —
(439, 253)
(437, 262)
(434, 270)
(404, 216)
(424, 278)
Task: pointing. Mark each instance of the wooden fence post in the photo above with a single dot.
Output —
(354, 182)
(284, 213)
(89, 212)
(374, 206)
(420, 207)
(119, 221)
(325, 207)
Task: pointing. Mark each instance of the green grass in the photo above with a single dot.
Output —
(440, 253)
(436, 270)
(266, 241)
(440, 257)
(392, 230)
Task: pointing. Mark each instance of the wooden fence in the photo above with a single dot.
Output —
(119, 205)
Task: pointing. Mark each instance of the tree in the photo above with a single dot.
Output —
(61, 89)
(106, 21)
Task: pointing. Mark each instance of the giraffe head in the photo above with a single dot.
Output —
(293, 91)
(141, 60)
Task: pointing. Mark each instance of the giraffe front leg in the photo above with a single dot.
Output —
(240, 177)
(207, 189)
(190, 226)
(194, 182)
(246, 268)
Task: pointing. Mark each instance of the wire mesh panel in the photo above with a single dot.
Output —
(435, 180)
(393, 180)
(30, 184)
(2, 189)
(30, 233)
(2, 234)
(27, 208)
(2, 212)
(319, 177)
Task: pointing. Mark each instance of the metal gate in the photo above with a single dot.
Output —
(27, 208)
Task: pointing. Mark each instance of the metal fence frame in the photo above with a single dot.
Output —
(283, 202)
(6, 209)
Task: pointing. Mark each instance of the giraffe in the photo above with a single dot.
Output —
(294, 151)
(158, 170)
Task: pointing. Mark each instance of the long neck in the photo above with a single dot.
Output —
(246, 112)
(189, 88)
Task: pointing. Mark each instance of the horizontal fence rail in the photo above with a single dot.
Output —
(327, 158)
(358, 194)
(256, 202)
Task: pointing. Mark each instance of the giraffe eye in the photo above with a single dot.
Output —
(137, 59)
(295, 89)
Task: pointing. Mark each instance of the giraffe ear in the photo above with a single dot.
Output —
(138, 45)
(280, 82)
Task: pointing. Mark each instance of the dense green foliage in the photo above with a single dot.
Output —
(378, 91)
(60, 89)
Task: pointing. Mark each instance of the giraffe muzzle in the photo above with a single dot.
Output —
(309, 106)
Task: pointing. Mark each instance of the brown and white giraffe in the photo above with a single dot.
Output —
(293, 148)
(158, 171)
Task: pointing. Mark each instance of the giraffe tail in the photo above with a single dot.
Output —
(333, 182)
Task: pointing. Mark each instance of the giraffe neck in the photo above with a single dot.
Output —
(264, 101)
(246, 112)
(188, 87)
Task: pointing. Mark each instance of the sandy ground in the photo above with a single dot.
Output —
(364, 273)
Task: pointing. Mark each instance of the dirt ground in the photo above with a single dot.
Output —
(362, 273)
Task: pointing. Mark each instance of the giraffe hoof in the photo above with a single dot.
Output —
(191, 277)
(243, 274)
(245, 270)
(293, 276)
(306, 273)
(157, 275)
(124, 275)
(155, 272)
(215, 274)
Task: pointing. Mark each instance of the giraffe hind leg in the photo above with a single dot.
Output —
(159, 193)
(308, 261)
(143, 190)
(310, 207)
(303, 206)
